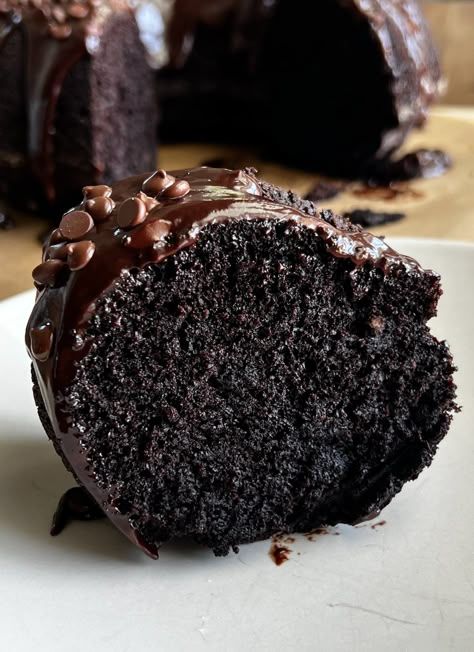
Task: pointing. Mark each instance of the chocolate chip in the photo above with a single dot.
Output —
(100, 208)
(41, 341)
(148, 234)
(48, 273)
(150, 202)
(131, 213)
(60, 32)
(79, 254)
(58, 14)
(157, 182)
(78, 10)
(57, 252)
(177, 190)
(55, 237)
(90, 192)
(75, 225)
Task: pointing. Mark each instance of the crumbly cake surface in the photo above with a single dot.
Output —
(246, 370)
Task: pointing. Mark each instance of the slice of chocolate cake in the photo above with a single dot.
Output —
(214, 358)
(78, 103)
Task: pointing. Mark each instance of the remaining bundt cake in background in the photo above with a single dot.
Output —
(78, 102)
(214, 358)
(335, 85)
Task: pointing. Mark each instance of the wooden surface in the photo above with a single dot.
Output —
(435, 208)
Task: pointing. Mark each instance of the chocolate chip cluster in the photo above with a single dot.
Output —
(68, 248)
(60, 15)
(133, 212)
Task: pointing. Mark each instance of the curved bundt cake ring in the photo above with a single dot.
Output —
(334, 85)
(214, 358)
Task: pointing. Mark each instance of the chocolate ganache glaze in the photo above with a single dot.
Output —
(229, 60)
(378, 52)
(137, 222)
(403, 34)
(57, 34)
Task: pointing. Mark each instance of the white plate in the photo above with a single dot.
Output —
(406, 585)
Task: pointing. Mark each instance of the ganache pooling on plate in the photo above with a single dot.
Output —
(214, 357)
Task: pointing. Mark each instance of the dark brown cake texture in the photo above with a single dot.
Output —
(334, 85)
(77, 102)
(214, 358)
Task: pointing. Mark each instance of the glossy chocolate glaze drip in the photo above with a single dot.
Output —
(74, 505)
(49, 61)
(247, 17)
(55, 41)
(57, 34)
(419, 164)
(140, 221)
(411, 60)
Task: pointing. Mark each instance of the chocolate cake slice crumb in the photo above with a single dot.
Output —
(213, 358)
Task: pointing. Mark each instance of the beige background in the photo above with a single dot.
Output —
(452, 23)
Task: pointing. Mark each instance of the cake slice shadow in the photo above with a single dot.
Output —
(31, 483)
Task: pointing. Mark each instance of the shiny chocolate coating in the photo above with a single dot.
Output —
(58, 34)
(63, 312)
(75, 225)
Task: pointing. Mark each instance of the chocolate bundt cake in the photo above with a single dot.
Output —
(214, 358)
(78, 101)
(335, 85)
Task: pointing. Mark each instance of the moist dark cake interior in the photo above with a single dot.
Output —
(78, 102)
(229, 363)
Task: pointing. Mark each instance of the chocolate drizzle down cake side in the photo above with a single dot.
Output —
(214, 358)
(78, 100)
